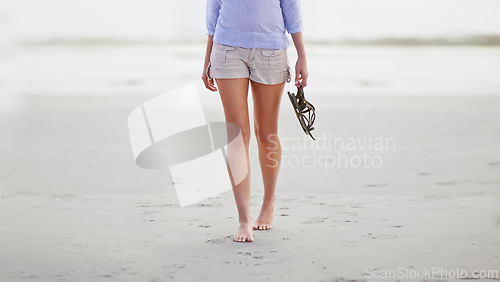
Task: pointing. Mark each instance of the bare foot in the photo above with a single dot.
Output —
(265, 219)
(245, 233)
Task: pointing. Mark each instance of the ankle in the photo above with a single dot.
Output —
(245, 221)
(269, 201)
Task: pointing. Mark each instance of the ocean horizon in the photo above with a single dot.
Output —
(119, 48)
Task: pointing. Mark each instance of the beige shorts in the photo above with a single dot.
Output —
(266, 66)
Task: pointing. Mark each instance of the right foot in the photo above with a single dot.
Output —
(245, 233)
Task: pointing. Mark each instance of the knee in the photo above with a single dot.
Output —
(234, 130)
(246, 136)
(267, 139)
(245, 133)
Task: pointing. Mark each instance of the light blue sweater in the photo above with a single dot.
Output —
(253, 23)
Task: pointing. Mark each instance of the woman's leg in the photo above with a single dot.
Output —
(234, 97)
(267, 99)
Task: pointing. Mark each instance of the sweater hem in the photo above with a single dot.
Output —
(251, 39)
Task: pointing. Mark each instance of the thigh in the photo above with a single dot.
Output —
(234, 97)
(267, 100)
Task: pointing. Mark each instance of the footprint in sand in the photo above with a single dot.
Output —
(215, 241)
(290, 199)
(265, 259)
(315, 220)
(256, 256)
(384, 236)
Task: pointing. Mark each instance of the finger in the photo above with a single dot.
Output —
(208, 83)
(212, 84)
(304, 80)
(297, 79)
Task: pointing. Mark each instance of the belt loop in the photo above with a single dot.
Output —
(252, 53)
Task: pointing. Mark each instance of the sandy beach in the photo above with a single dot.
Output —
(75, 207)
(401, 184)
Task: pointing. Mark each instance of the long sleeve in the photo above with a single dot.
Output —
(292, 15)
(213, 7)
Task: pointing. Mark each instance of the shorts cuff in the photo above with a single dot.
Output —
(222, 74)
(270, 79)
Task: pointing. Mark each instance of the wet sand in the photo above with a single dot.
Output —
(75, 207)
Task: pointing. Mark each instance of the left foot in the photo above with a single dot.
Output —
(265, 219)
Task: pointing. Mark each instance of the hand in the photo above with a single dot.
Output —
(209, 82)
(301, 73)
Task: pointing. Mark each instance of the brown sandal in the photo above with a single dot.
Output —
(302, 107)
